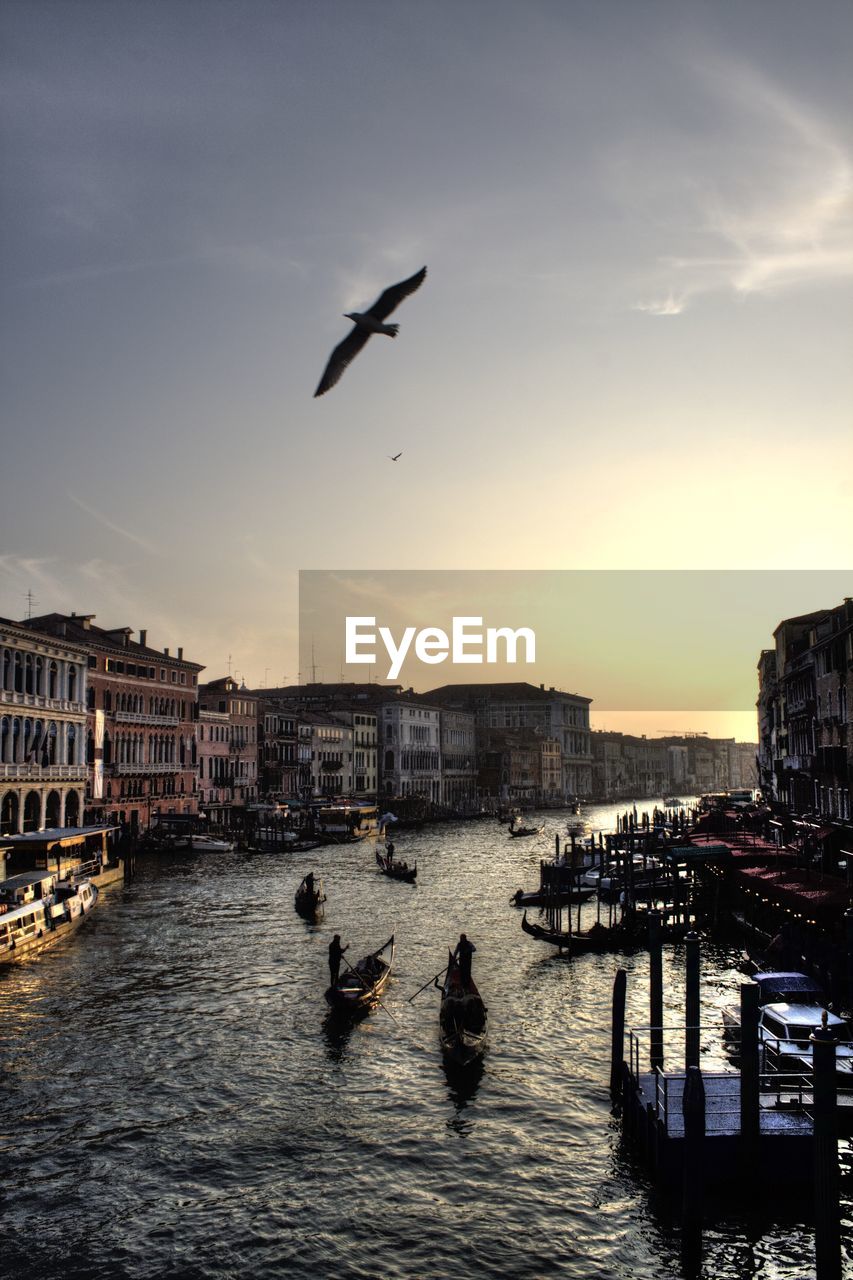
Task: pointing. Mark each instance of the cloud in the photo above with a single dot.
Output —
(115, 528)
(765, 193)
(669, 306)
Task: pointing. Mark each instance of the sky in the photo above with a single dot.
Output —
(631, 349)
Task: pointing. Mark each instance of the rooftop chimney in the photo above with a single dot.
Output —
(166, 652)
(180, 654)
(143, 638)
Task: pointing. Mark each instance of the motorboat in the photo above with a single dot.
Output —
(784, 1037)
(210, 844)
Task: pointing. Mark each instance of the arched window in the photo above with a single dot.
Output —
(4, 738)
(32, 811)
(52, 678)
(51, 814)
(29, 673)
(90, 748)
(108, 748)
(108, 700)
(39, 674)
(51, 742)
(16, 741)
(72, 809)
(72, 745)
(7, 669)
(19, 674)
(72, 683)
(90, 698)
(9, 814)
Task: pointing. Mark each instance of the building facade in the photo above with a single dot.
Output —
(141, 717)
(43, 766)
(225, 697)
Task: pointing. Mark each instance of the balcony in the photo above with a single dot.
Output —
(331, 766)
(39, 702)
(50, 773)
(151, 769)
(140, 717)
(799, 764)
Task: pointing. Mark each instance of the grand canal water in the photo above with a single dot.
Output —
(175, 1102)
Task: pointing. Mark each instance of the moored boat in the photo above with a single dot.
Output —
(545, 897)
(29, 923)
(362, 984)
(396, 870)
(462, 1018)
(598, 938)
(201, 843)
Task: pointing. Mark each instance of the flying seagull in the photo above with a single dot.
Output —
(364, 324)
(395, 456)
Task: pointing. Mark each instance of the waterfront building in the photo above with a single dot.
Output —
(410, 748)
(141, 707)
(520, 767)
(278, 765)
(458, 758)
(626, 765)
(240, 781)
(215, 780)
(325, 754)
(806, 748)
(561, 717)
(43, 767)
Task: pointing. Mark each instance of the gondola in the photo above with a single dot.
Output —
(362, 984)
(599, 938)
(517, 832)
(396, 870)
(543, 898)
(462, 1019)
(309, 900)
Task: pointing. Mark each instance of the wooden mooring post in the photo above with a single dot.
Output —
(655, 991)
(750, 1116)
(617, 1042)
(692, 1003)
(826, 1176)
(693, 1111)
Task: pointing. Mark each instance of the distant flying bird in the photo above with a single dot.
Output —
(364, 324)
(395, 456)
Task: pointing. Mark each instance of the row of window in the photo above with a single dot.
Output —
(31, 673)
(119, 667)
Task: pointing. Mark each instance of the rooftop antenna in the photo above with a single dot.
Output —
(229, 664)
(31, 600)
(313, 664)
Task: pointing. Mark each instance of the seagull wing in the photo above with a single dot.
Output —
(394, 295)
(342, 355)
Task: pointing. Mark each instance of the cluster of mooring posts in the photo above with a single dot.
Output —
(623, 870)
(727, 1130)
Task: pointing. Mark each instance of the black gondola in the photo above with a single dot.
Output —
(309, 898)
(362, 984)
(462, 1018)
(396, 870)
(545, 898)
(598, 938)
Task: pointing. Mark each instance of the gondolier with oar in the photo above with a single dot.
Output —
(462, 955)
(336, 952)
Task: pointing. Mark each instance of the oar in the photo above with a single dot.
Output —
(427, 984)
(364, 984)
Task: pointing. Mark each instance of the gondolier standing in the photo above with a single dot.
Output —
(462, 955)
(335, 953)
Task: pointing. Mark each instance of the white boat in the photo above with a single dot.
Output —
(210, 844)
(784, 1036)
(30, 923)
